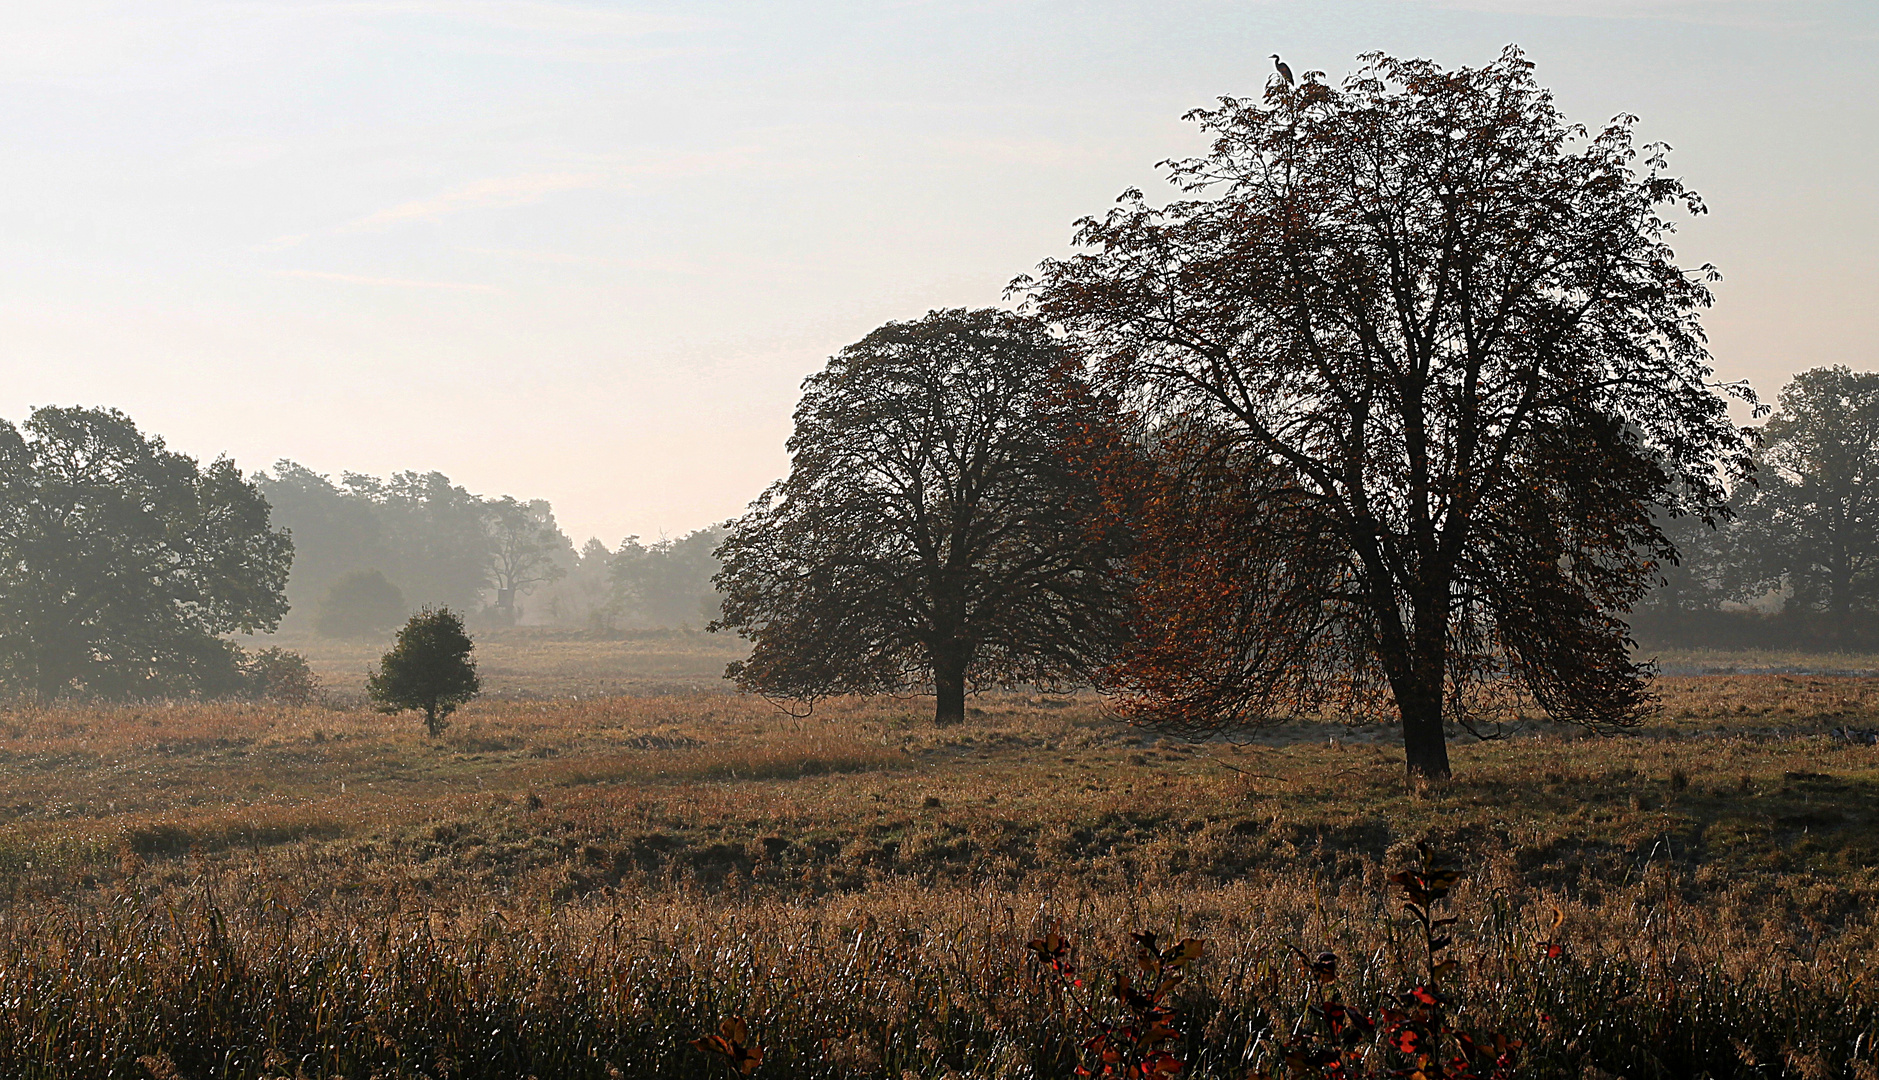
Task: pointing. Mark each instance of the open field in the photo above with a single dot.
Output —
(1762, 662)
(533, 662)
(581, 887)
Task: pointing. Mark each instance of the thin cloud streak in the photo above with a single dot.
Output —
(503, 192)
(492, 194)
(1740, 14)
(558, 258)
(282, 243)
(402, 283)
(525, 15)
(718, 265)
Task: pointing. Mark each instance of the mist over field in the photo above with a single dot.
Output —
(1234, 541)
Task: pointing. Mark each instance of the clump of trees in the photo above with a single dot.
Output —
(370, 549)
(431, 539)
(1395, 405)
(122, 563)
(668, 582)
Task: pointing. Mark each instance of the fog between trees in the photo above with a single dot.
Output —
(367, 551)
(1793, 564)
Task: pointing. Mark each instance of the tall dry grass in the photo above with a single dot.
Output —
(569, 888)
(236, 976)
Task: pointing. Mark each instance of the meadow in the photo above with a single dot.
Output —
(581, 886)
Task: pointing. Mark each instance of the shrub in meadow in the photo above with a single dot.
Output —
(429, 668)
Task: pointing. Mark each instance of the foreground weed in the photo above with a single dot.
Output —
(1414, 1037)
(1134, 1046)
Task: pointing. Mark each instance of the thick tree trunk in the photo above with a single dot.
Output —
(949, 686)
(1419, 701)
(1425, 747)
(1417, 682)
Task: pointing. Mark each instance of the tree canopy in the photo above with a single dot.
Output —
(934, 532)
(1418, 358)
(667, 582)
(526, 549)
(122, 561)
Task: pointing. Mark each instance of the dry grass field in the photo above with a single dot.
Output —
(534, 662)
(568, 887)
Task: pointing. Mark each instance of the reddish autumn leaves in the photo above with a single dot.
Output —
(1412, 363)
(733, 1046)
(1137, 1045)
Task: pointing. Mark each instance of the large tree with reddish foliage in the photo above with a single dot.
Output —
(1413, 363)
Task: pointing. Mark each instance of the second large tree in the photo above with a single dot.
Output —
(1427, 363)
(933, 532)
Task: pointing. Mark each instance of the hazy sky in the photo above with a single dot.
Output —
(588, 251)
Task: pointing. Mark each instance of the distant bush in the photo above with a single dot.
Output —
(224, 671)
(275, 674)
(360, 604)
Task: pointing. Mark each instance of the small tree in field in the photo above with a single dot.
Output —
(429, 668)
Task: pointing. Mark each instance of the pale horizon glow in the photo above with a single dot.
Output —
(587, 251)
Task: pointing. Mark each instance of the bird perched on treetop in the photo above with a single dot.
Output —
(1284, 72)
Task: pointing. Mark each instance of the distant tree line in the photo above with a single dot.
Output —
(369, 551)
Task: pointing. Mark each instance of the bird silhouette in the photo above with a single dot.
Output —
(1284, 72)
